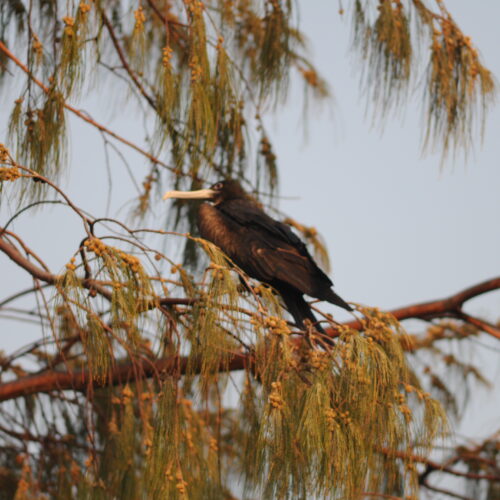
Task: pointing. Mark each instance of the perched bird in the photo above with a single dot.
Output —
(263, 247)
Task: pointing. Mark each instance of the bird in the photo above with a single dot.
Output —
(264, 248)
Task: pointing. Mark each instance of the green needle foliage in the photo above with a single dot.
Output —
(190, 383)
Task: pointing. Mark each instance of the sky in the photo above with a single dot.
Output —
(401, 227)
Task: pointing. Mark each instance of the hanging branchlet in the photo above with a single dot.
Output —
(145, 197)
(137, 46)
(84, 20)
(70, 54)
(132, 289)
(458, 88)
(186, 466)
(8, 169)
(209, 324)
(231, 137)
(453, 391)
(75, 32)
(98, 347)
(168, 98)
(386, 47)
(274, 50)
(270, 170)
(201, 112)
(318, 412)
(39, 135)
(37, 47)
(126, 286)
(74, 316)
(314, 81)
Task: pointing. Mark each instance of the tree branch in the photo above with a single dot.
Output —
(445, 492)
(481, 324)
(124, 61)
(81, 380)
(37, 272)
(451, 306)
(432, 466)
(83, 116)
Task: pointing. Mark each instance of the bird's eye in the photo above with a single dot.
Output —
(219, 185)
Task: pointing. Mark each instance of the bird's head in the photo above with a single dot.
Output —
(221, 191)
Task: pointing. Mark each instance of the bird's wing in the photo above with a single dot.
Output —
(277, 254)
(287, 266)
(248, 214)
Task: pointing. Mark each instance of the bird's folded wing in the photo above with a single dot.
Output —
(287, 266)
(278, 254)
(249, 215)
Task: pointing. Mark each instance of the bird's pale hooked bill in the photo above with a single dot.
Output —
(200, 194)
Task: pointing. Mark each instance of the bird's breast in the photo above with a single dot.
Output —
(214, 226)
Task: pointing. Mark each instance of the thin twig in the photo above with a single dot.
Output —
(124, 61)
(445, 492)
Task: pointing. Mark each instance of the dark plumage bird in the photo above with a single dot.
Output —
(263, 247)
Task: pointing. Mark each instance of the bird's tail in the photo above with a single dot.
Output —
(333, 298)
(299, 309)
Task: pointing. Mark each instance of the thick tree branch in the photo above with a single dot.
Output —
(37, 272)
(451, 306)
(81, 380)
